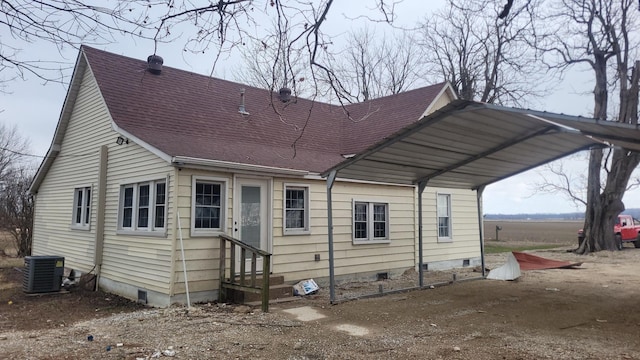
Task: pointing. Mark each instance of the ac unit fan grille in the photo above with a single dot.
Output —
(42, 274)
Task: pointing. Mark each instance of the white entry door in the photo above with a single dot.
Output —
(252, 216)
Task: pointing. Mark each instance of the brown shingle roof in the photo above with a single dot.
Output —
(186, 114)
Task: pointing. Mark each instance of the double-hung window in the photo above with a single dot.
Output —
(81, 208)
(444, 217)
(208, 206)
(296, 209)
(143, 206)
(370, 222)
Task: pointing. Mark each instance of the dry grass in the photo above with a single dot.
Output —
(7, 262)
(5, 240)
(8, 247)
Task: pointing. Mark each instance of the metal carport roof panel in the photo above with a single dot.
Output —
(469, 144)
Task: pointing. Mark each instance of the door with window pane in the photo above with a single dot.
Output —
(251, 222)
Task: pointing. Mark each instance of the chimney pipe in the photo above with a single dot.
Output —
(242, 109)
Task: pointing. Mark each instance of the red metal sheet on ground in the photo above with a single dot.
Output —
(532, 262)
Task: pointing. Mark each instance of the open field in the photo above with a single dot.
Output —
(546, 232)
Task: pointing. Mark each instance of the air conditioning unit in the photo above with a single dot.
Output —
(42, 274)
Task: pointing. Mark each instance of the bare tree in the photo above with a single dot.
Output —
(269, 65)
(16, 208)
(371, 66)
(558, 178)
(12, 150)
(485, 57)
(63, 23)
(600, 33)
(221, 26)
(299, 26)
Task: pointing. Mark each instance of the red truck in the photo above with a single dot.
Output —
(627, 229)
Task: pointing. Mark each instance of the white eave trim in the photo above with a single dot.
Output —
(187, 161)
(316, 176)
(447, 88)
(155, 151)
(79, 69)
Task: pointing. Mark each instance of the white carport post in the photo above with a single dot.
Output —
(479, 192)
(332, 283)
(421, 186)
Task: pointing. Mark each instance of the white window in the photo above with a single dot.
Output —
(370, 222)
(444, 217)
(81, 208)
(296, 209)
(208, 206)
(143, 206)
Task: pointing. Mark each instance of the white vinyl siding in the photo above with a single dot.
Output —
(296, 209)
(294, 255)
(443, 212)
(201, 248)
(142, 262)
(81, 208)
(143, 259)
(53, 228)
(465, 240)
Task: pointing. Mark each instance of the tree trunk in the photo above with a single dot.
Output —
(604, 207)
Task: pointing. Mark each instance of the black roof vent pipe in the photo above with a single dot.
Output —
(154, 64)
(285, 94)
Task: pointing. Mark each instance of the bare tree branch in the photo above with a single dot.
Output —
(485, 58)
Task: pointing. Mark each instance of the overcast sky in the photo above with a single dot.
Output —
(35, 107)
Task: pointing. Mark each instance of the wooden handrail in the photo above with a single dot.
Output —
(241, 285)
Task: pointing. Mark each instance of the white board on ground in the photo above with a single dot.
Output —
(508, 271)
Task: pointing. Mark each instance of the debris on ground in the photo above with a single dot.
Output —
(305, 287)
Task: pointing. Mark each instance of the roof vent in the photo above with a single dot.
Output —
(154, 64)
(242, 109)
(285, 94)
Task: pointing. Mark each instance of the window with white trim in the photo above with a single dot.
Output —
(296, 209)
(208, 205)
(81, 208)
(443, 210)
(370, 221)
(143, 206)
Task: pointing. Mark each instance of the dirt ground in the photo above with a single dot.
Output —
(588, 313)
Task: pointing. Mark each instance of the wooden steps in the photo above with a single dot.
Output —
(277, 290)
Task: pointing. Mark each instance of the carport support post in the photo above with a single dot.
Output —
(479, 192)
(332, 281)
(421, 186)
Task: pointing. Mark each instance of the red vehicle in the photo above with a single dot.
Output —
(627, 229)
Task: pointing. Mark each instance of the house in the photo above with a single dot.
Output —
(148, 162)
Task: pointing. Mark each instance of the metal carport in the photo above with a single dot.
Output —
(469, 145)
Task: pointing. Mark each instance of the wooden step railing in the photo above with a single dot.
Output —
(241, 283)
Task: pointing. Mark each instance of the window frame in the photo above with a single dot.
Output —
(152, 206)
(224, 188)
(449, 237)
(85, 210)
(370, 239)
(307, 209)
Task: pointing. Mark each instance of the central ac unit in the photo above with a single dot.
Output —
(42, 274)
